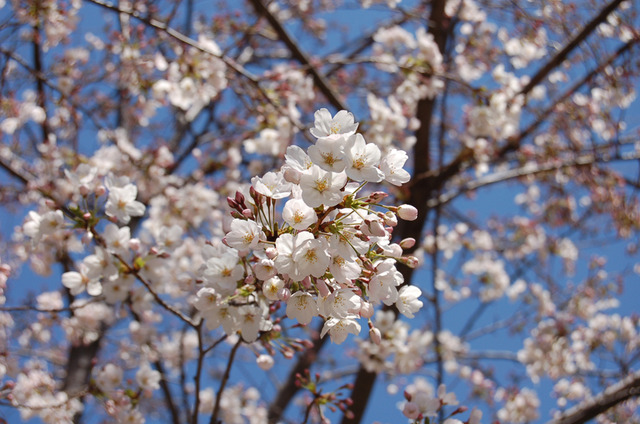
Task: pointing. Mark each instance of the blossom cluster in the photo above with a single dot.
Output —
(330, 256)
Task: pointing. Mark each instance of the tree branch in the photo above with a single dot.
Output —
(289, 389)
(569, 47)
(439, 27)
(299, 55)
(613, 395)
(223, 383)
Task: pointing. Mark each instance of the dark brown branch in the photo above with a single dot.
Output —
(41, 96)
(289, 389)
(439, 178)
(166, 392)
(575, 42)
(613, 395)
(299, 55)
(439, 27)
(363, 44)
(223, 383)
(572, 90)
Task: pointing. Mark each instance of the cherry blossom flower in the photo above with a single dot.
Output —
(391, 164)
(302, 306)
(244, 234)
(271, 288)
(311, 258)
(43, 225)
(223, 273)
(122, 203)
(147, 378)
(339, 328)
(408, 303)
(342, 303)
(286, 246)
(328, 153)
(362, 160)
(298, 214)
(320, 187)
(341, 124)
(109, 377)
(78, 282)
(272, 185)
(117, 239)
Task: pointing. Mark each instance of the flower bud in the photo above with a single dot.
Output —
(292, 176)
(284, 294)
(410, 261)
(100, 191)
(259, 198)
(87, 237)
(375, 335)
(407, 212)
(239, 198)
(288, 353)
(374, 228)
(390, 219)
(265, 362)
(271, 252)
(408, 243)
(134, 244)
(306, 283)
(366, 310)
(323, 290)
(247, 213)
(377, 197)
(411, 410)
(232, 203)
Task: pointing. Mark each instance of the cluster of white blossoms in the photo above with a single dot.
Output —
(330, 256)
(423, 403)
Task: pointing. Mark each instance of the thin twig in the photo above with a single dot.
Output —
(223, 383)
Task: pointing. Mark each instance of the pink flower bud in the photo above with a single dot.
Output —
(377, 197)
(292, 176)
(271, 252)
(239, 198)
(232, 203)
(375, 228)
(408, 243)
(87, 237)
(306, 283)
(84, 190)
(366, 310)
(284, 294)
(100, 191)
(247, 213)
(265, 362)
(390, 219)
(407, 212)
(410, 261)
(411, 410)
(375, 335)
(288, 353)
(323, 290)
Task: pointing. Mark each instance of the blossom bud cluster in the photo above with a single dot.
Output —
(331, 255)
